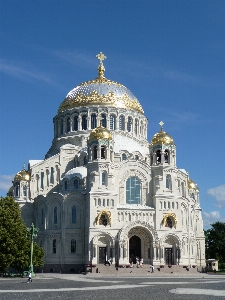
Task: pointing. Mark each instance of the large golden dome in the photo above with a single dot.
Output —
(22, 175)
(100, 133)
(192, 184)
(101, 91)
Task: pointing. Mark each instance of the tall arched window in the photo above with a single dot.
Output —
(52, 175)
(17, 189)
(54, 246)
(133, 190)
(122, 123)
(129, 122)
(158, 156)
(104, 122)
(85, 160)
(95, 150)
(75, 123)
(73, 246)
(24, 190)
(66, 186)
(42, 180)
(93, 121)
(74, 214)
(55, 215)
(112, 122)
(103, 178)
(68, 125)
(61, 126)
(76, 183)
(136, 127)
(166, 156)
(103, 152)
(168, 182)
(84, 122)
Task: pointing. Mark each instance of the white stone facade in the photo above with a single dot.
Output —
(129, 200)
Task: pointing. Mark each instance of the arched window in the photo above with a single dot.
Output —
(136, 127)
(166, 156)
(24, 190)
(112, 122)
(93, 121)
(168, 182)
(95, 150)
(103, 178)
(85, 160)
(122, 123)
(42, 216)
(54, 246)
(103, 152)
(68, 125)
(66, 185)
(133, 188)
(73, 246)
(61, 126)
(124, 157)
(129, 122)
(74, 214)
(158, 156)
(75, 123)
(52, 175)
(42, 180)
(17, 189)
(55, 215)
(76, 183)
(104, 122)
(84, 122)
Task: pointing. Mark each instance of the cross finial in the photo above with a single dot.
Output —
(101, 57)
(161, 124)
(24, 166)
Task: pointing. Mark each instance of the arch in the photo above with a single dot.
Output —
(84, 122)
(76, 183)
(106, 235)
(166, 156)
(158, 156)
(124, 157)
(136, 126)
(129, 124)
(73, 246)
(112, 122)
(68, 124)
(93, 121)
(75, 123)
(121, 122)
(61, 126)
(133, 190)
(95, 152)
(104, 120)
(54, 246)
(171, 217)
(100, 219)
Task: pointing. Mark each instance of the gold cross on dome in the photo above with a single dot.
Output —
(101, 57)
(161, 124)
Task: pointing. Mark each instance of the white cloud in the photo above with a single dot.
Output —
(6, 182)
(219, 194)
(210, 218)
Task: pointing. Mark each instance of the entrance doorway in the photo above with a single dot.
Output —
(134, 247)
(169, 256)
(101, 255)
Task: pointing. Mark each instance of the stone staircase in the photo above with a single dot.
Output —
(145, 270)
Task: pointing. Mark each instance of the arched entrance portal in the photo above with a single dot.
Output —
(134, 247)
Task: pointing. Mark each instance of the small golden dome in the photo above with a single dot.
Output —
(192, 184)
(100, 133)
(22, 175)
(162, 138)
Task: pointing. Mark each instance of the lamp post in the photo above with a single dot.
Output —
(33, 233)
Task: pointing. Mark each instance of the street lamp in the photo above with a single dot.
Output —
(33, 233)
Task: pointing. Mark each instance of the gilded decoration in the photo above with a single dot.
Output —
(192, 185)
(22, 175)
(169, 215)
(107, 214)
(162, 137)
(100, 133)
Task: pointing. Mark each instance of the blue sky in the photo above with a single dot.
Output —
(170, 54)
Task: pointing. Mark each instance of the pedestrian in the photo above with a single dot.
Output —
(108, 262)
(141, 262)
(137, 262)
(29, 277)
(153, 269)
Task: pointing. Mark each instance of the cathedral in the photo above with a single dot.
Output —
(104, 191)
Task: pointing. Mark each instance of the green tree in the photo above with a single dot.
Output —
(14, 238)
(215, 241)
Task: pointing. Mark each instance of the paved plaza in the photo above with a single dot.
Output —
(152, 286)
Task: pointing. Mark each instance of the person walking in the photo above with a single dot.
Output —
(153, 269)
(29, 277)
(141, 262)
(137, 262)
